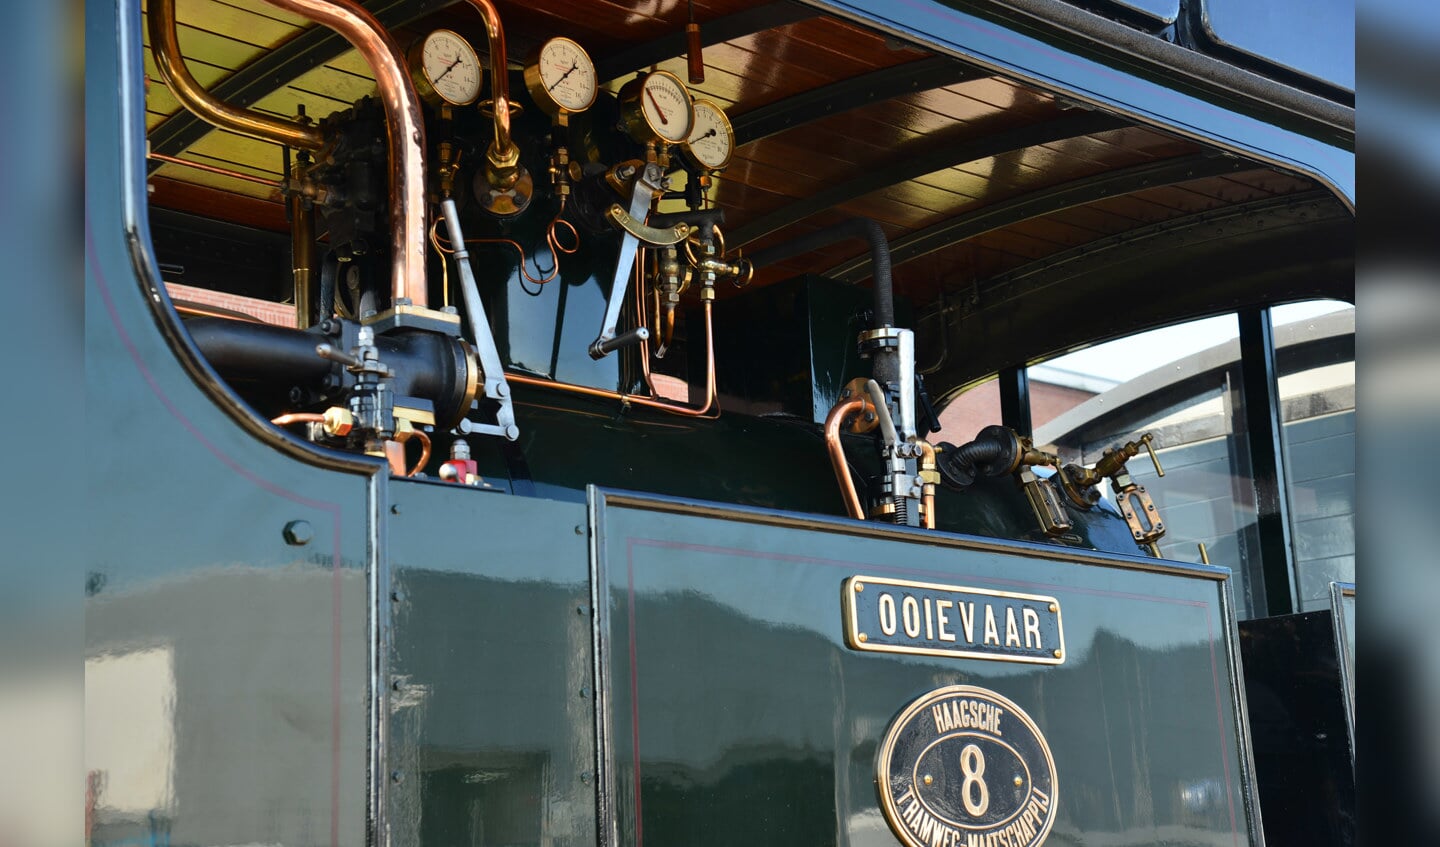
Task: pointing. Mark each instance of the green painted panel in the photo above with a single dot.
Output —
(740, 716)
(491, 713)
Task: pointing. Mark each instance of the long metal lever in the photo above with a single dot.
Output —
(647, 185)
(494, 387)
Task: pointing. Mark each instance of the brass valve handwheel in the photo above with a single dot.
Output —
(693, 242)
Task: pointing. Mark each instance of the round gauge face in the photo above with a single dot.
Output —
(712, 139)
(566, 76)
(665, 103)
(451, 67)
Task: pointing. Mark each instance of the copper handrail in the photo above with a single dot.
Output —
(836, 450)
(403, 126)
(165, 44)
(199, 166)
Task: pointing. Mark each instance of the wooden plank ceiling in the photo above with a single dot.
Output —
(218, 37)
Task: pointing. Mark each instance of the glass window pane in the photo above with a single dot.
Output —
(1315, 359)
(1182, 385)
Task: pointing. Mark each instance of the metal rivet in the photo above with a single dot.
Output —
(1019, 780)
(1054, 608)
(395, 509)
(1059, 653)
(585, 777)
(579, 530)
(862, 637)
(396, 685)
(298, 533)
(859, 586)
(584, 691)
(397, 596)
(396, 776)
(582, 610)
(929, 780)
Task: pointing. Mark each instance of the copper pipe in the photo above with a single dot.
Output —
(672, 408)
(836, 450)
(503, 153)
(403, 126)
(165, 44)
(298, 417)
(424, 452)
(161, 157)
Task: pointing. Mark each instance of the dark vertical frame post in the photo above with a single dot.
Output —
(1015, 399)
(1262, 424)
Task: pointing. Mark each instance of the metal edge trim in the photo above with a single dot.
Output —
(852, 623)
(1241, 715)
(1338, 592)
(379, 585)
(606, 822)
(931, 537)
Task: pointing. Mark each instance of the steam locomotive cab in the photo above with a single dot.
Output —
(562, 390)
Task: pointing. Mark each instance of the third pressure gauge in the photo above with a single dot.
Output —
(656, 107)
(561, 78)
(712, 139)
(446, 69)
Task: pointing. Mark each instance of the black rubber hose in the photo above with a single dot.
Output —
(886, 369)
(865, 228)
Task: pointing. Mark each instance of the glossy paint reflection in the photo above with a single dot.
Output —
(737, 705)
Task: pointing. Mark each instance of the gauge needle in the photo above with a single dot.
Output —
(562, 76)
(656, 104)
(447, 70)
(708, 134)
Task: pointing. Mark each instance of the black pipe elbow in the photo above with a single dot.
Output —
(995, 451)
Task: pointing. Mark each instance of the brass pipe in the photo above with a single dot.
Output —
(403, 126)
(165, 44)
(503, 154)
(161, 157)
(836, 450)
(927, 468)
(672, 408)
(302, 252)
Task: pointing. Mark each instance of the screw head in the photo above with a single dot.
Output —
(1059, 653)
(862, 637)
(298, 533)
(859, 586)
(929, 780)
(585, 777)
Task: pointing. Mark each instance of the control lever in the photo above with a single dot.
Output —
(648, 183)
(493, 370)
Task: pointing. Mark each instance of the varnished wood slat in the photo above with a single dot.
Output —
(202, 200)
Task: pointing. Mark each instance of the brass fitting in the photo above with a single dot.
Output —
(338, 421)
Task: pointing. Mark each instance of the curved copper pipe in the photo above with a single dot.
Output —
(165, 44)
(672, 408)
(424, 452)
(833, 446)
(403, 126)
(502, 153)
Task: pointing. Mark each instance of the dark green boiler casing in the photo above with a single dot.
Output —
(643, 628)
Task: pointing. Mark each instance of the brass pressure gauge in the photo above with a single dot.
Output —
(656, 107)
(712, 139)
(446, 69)
(561, 78)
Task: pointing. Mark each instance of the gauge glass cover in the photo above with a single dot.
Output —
(567, 75)
(451, 67)
(712, 140)
(665, 103)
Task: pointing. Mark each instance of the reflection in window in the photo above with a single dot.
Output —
(1182, 384)
(971, 412)
(1315, 366)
